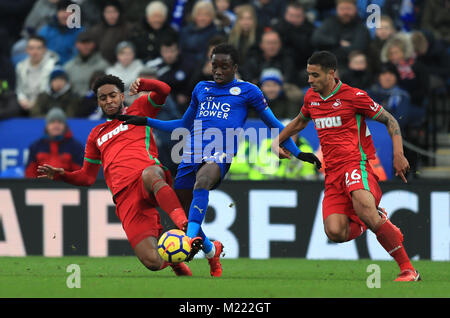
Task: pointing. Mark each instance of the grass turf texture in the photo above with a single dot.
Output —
(35, 276)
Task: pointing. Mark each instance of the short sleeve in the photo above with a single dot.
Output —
(304, 111)
(365, 105)
(91, 152)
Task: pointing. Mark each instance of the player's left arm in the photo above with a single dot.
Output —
(401, 164)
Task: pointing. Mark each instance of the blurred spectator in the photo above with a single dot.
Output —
(88, 105)
(112, 30)
(271, 84)
(268, 11)
(32, 74)
(296, 32)
(194, 37)
(357, 74)
(434, 55)
(57, 147)
(59, 94)
(174, 69)
(382, 34)
(436, 19)
(224, 16)
(60, 38)
(127, 67)
(41, 14)
(203, 69)
(147, 33)
(87, 61)
(271, 54)
(396, 100)
(414, 76)
(342, 33)
(245, 33)
(9, 107)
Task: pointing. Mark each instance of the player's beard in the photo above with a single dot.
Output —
(113, 116)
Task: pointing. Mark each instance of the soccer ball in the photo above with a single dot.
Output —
(173, 246)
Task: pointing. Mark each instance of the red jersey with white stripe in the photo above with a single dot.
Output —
(124, 150)
(340, 123)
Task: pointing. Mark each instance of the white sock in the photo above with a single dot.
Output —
(211, 253)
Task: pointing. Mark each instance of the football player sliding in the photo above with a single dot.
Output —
(352, 193)
(136, 178)
(221, 104)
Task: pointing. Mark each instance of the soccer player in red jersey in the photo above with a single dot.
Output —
(133, 173)
(352, 193)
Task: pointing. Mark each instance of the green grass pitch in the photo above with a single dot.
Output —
(35, 276)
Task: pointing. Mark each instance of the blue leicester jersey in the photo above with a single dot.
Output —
(220, 111)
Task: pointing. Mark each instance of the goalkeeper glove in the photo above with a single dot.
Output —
(310, 157)
(133, 120)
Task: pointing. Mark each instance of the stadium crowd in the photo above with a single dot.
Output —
(48, 61)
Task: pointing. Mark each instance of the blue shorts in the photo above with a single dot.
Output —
(187, 172)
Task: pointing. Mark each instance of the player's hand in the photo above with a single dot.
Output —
(134, 87)
(401, 166)
(310, 157)
(280, 150)
(49, 172)
(133, 120)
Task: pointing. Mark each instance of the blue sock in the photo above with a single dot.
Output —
(207, 244)
(197, 212)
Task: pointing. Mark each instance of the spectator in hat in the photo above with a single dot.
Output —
(59, 37)
(88, 60)
(59, 94)
(57, 147)
(272, 86)
(127, 67)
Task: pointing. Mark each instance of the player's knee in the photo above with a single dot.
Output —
(202, 182)
(336, 234)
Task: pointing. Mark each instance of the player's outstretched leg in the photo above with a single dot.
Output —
(147, 252)
(389, 236)
(154, 180)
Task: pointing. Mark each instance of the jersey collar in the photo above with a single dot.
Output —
(333, 92)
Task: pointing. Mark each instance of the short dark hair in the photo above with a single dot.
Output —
(325, 59)
(37, 38)
(227, 49)
(108, 79)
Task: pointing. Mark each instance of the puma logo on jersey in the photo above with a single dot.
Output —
(328, 122)
(101, 140)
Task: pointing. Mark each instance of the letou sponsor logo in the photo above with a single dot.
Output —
(101, 140)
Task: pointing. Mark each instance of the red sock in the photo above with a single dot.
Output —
(168, 201)
(391, 239)
(355, 230)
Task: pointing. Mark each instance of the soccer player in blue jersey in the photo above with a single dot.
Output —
(220, 105)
